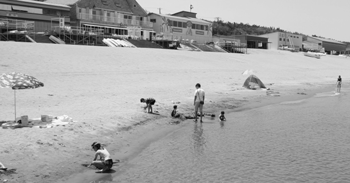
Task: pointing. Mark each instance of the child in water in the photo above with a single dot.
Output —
(339, 84)
(222, 116)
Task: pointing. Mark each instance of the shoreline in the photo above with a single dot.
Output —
(157, 130)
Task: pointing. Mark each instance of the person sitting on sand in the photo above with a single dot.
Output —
(175, 114)
(149, 102)
(2, 167)
(104, 163)
(222, 116)
(339, 84)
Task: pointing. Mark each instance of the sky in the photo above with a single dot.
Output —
(330, 19)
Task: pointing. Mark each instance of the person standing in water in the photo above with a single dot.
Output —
(199, 97)
(339, 84)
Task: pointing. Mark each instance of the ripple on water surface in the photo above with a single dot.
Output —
(308, 142)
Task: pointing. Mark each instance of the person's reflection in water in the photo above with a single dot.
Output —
(198, 138)
(222, 124)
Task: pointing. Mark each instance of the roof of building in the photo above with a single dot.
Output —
(32, 2)
(127, 6)
(280, 32)
(328, 40)
(62, 2)
(182, 18)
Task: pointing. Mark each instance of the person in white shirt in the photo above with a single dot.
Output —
(105, 162)
(199, 97)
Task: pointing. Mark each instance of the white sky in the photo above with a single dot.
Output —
(330, 19)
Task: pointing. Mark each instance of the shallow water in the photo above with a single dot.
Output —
(302, 141)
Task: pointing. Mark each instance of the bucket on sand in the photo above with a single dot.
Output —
(24, 120)
(44, 118)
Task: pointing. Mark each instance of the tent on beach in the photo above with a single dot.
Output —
(253, 83)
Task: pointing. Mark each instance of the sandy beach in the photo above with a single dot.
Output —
(100, 88)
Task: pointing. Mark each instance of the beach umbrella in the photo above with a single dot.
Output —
(248, 72)
(18, 81)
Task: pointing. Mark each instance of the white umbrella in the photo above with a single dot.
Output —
(249, 72)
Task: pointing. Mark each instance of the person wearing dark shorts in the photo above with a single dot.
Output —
(102, 158)
(149, 102)
(198, 102)
(339, 81)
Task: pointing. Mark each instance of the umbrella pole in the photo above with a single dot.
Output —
(15, 104)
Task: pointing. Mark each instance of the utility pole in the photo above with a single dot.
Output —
(160, 10)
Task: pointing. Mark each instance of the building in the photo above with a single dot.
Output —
(181, 26)
(249, 41)
(330, 46)
(110, 17)
(280, 40)
(38, 16)
(312, 46)
(347, 51)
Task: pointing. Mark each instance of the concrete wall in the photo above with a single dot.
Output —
(273, 40)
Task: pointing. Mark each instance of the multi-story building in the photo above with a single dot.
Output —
(181, 26)
(120, 17)
(39, 16)
(279, 40)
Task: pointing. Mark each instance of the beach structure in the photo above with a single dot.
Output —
(125, 18)
(253, 83)
(284, 41)
(250, 41)
(312, 46)
(330, 46)
(20, 19)
(181, 26)
(347, 50)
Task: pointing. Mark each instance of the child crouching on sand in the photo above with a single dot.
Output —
(222, 116)
(149, 102)
(105, 162)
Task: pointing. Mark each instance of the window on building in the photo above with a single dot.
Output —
(202, 27)
(170, 23)
(287, 39)
(127, 17)
(179, 24)
(184, 24)
(193, 26)
(280, 39)
(117, 4)
(284, 39)
(104, 2)
(206, 28)
(175, 23)
(153, 20)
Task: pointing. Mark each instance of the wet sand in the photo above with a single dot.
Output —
(101, 87)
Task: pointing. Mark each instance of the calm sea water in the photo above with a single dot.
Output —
(297, 141)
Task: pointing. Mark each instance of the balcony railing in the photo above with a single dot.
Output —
(114, 20)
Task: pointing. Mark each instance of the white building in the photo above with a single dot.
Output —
(181, 26)
(283, 39)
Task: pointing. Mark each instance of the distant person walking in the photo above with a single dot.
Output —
(199, 97)
(339, 84)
